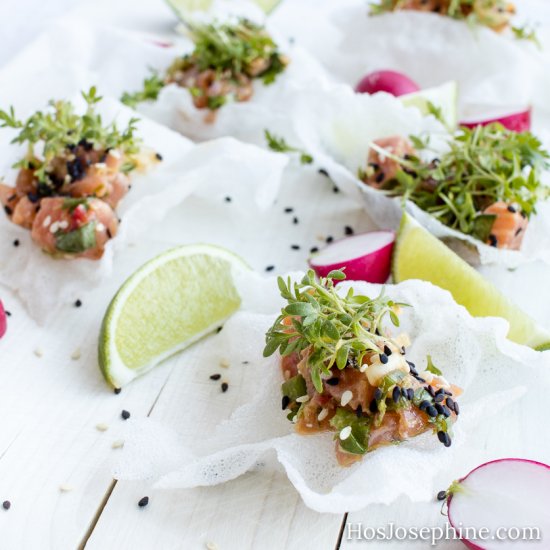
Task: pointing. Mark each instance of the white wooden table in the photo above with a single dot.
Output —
(51, 404)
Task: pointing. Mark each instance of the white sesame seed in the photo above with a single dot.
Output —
(118, 444)
(309, 425)
(347, 396)
(345, 433)
(322, 415)
(224, 364)
(38, 352)
(63, 224)
(75, 355)
(101, 427)
(364, 367)
(302, 399)
(47, 221)
(100, 227)
(115, 154)
(65, 488)
(211, 546)
(54, 227)
(100, 165)
(294, 419)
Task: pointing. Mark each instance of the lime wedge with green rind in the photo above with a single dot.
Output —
(444, 98)
(183, 7)
(420, 255)
(168, 304)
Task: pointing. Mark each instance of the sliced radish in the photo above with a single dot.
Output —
(517, 122)
(365, 257)
(392, 82)
(507, 498)
(3, 320)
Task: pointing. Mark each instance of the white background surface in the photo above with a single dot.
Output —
(49, 406)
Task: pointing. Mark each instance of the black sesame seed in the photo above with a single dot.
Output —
(439, 398)
(285, 402)
(405, 393)
(289, 209)
(431, 411)
(8, 313)
(444, 438)
(348, 230)
(383, 358)
(387, 350)
(16, 243)
(359, 411)
(270, 268)
(457, 408)
(295, 220)
(125, 414)
(403, 350)
(442, 495)
(430, 390)
(523, 214)
(295, 246)
(333, 381)
(78, 303)
(225, 387)
(32, 197)
(439, 408)
(8, 210)
(396, 394)
(228, 199)
(246, 362)
(159, 156)
(117, 390)
(219, 329)
(335, 189)
(445, 411)
(323, 172)
(450, 403)
(410, 394)
(412, 367)
(378, 394)
(493, 241)
(143, 502)
(6, 505)
(329, 239)
(373, 407)
(380, 177)
(313, 250)
(518, 231)
(419, 378)
(512, 209)
(424, 405)
(109, 234)
(215, 376)
(440, 391)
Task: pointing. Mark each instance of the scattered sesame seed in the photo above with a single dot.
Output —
(329, 239)
(378, 394)
(47, 221)
(66, 488)
(373, 407)
(333, 381)
(396, 394)
(359, 411)
(118, 444)
(227, 199)
(225, 387)
(8, 313)
(512, 209)
(102, 427)
(410, 394)
(159, 156)
(383, 358)
(380, 177)
(444, 438)
(6, 505)
(313, 250)
(16, 243)
(348, 230)
(246, 362)
(100, 227)
(442, 495)
(302, 399)
(440, 397)
(295, 220)
(431, 411)
(345, 433)
(78, 303)
(323, 172)
(387, 350)
(289, 209)
(144, 501)
(285, 402)
(38, 352)
(219, 329)
(335, 189)
(493, 241)
(450, 403)
(54, 227)
(125, 414)
(322, 415)
(211, 546)
(457, 408)
(117, 390)
(215, 376)
(63, 224)
(424, 405)
(347, 396)
(430, 390)
(518, 231)
(224, 364)
(75, 355)
(270, 268)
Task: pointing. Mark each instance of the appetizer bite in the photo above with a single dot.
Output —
(227, 58)
(346, 372)
(72, 177)
(487, 184)
(495, 14)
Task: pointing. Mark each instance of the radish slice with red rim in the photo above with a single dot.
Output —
(504, 499)
(3, 320)
(365, 257)
(391, 82)
(516, 122)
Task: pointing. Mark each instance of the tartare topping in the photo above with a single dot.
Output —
(345, 372)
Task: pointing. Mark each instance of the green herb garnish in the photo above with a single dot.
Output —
(279, 145)
(483, 166)
(54, 133)
(150, 91)
(336, 330)
(77, 241)
(358, 440)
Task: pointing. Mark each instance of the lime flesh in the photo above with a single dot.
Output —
(168, 304)
(420, 255)
(182, 7)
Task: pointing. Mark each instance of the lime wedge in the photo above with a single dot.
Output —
(444, 98)
(420, 255)
(183, 7)
(169, 303)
